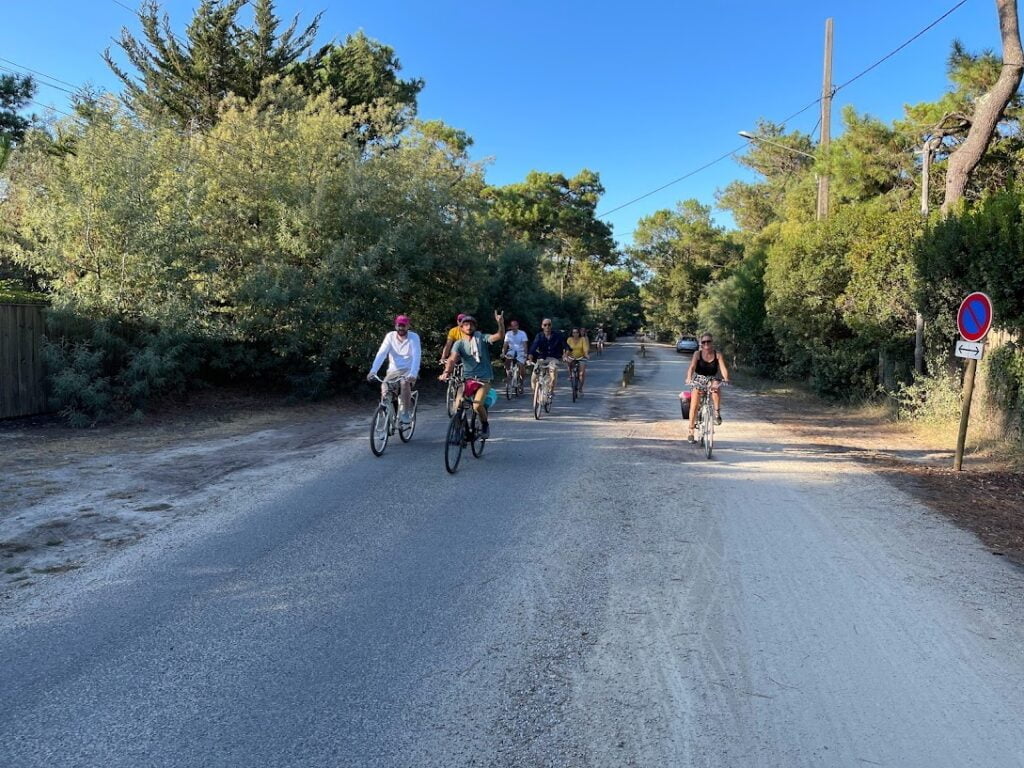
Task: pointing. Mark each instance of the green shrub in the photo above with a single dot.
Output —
(1005, 384)
(931, 398)
(843, 371)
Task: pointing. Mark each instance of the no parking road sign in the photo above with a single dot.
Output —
(973, 320)
(974, 317)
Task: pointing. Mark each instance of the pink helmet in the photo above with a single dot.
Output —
(402, 320)
(458, 317)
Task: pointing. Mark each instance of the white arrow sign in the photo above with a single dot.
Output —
(969, 349)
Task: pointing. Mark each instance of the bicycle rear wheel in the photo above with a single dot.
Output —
(379, 431)
(476, 445)
(453, 444)
(405, 430)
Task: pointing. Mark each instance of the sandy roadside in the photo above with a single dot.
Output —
(70, 496)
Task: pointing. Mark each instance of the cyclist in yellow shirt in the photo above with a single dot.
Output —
(579, 350)
(453, 335)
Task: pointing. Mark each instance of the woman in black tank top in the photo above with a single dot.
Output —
(715, 369)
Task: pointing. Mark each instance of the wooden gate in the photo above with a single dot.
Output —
(21, 360)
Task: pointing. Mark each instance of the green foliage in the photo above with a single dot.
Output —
(185, 80)
(361, 71)
(1005, 384)
(15, 93)
(930, 398)
(684, 252)
(733, 309)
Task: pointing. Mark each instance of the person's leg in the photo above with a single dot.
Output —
(478, 404)
(716, 398)
(406, 397)
(583, 375)
(694, 407)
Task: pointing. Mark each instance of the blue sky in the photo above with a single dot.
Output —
(642, 92)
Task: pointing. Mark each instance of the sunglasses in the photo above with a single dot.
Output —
(705, 341)
(545, 325)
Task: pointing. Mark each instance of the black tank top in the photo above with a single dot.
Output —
(704, 368)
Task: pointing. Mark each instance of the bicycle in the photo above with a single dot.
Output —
(462, 430)
(385, 419)
(600, 347)
(542, 394)
(705, 424)
(643, 350)
(513, 377)
(455, 381)
(574, 376)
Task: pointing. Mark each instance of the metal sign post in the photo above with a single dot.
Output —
(973, 320)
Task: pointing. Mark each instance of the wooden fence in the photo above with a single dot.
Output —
(21, 360)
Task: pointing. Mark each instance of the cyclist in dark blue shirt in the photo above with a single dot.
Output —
(547, 350)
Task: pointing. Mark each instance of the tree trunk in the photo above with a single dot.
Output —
(989, 108)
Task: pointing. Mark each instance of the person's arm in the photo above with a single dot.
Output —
(500, 333)
(692, 368)
(532, 351)
(417, 354)
(381, 354)
(504, 347)
(722, 367)
(586, 346)
(449, 362)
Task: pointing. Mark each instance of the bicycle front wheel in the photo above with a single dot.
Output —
(453, 391)
(709, 431)
(453, 444)
(575, 386)
(379, 431)
(405, 430)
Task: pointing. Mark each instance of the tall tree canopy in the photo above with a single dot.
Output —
(186, 80)
(360, 71)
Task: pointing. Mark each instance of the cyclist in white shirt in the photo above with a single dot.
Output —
(402, 349)
(514, 348)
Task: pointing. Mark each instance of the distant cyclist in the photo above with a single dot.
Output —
(402, 349)
(547, 350)
(475, 355)
(599, 339)
(514, 348)
(578, 350)
(707, 361)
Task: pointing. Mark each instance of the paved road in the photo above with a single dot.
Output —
(592, 592)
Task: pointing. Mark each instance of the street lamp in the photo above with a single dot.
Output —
(822, 206)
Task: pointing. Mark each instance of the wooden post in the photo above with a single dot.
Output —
(826, 120)
(965, 414)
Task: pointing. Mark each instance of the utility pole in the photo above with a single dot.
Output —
(826, 120)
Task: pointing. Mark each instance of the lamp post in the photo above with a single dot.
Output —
(821, 211)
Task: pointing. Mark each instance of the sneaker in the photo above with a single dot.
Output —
(485, 431)
(690, 438)
(718, 418)
(405, 417)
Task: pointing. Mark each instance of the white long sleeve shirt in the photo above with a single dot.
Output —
(402, 354)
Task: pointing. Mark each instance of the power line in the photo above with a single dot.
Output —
(899, 48)
(795, 114)
(718, 159)
(40, 82)
(41, 74)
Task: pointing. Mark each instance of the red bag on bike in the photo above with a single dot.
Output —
(472, 385)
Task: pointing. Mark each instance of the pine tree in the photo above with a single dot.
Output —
(186, 80)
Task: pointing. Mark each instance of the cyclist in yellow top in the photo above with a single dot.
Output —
(453, 335)
(578, 349)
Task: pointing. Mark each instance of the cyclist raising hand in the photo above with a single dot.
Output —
(475, 355)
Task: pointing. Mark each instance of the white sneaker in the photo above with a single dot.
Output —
(405, 417)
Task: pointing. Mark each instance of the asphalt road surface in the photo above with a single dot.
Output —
(591, 592)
